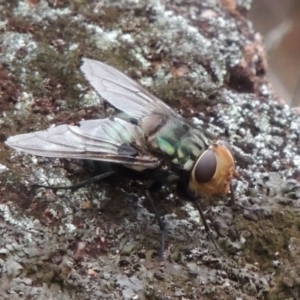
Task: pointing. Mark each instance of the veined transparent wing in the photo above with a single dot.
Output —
(110, 139)
(122, 92)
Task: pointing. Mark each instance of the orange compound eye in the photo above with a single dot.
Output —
(213, 171)
(205, 167)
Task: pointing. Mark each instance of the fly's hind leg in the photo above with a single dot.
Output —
(75, 186)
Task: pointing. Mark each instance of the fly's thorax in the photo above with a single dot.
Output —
(174, 137)
(191, 146)
(213, 171)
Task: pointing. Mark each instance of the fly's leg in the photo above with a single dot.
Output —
(161, 223)
(232, 202)
(78, 185)
(206, 226)
(183, 193)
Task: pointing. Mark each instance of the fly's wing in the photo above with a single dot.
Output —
(122, 92)
(112, 140)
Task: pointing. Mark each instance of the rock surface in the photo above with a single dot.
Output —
(99, 242)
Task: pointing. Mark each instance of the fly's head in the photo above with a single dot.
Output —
(214, 170)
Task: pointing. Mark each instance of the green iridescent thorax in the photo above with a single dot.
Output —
(174, 137)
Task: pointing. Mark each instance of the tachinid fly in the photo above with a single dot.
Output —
(146, 134)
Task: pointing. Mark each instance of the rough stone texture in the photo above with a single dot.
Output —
(99, 242)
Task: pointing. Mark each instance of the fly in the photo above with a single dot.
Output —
(146, 134)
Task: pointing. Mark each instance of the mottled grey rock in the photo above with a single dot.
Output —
(100, 242)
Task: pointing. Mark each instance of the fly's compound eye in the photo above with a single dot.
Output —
(226, 145)
(205, 167)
